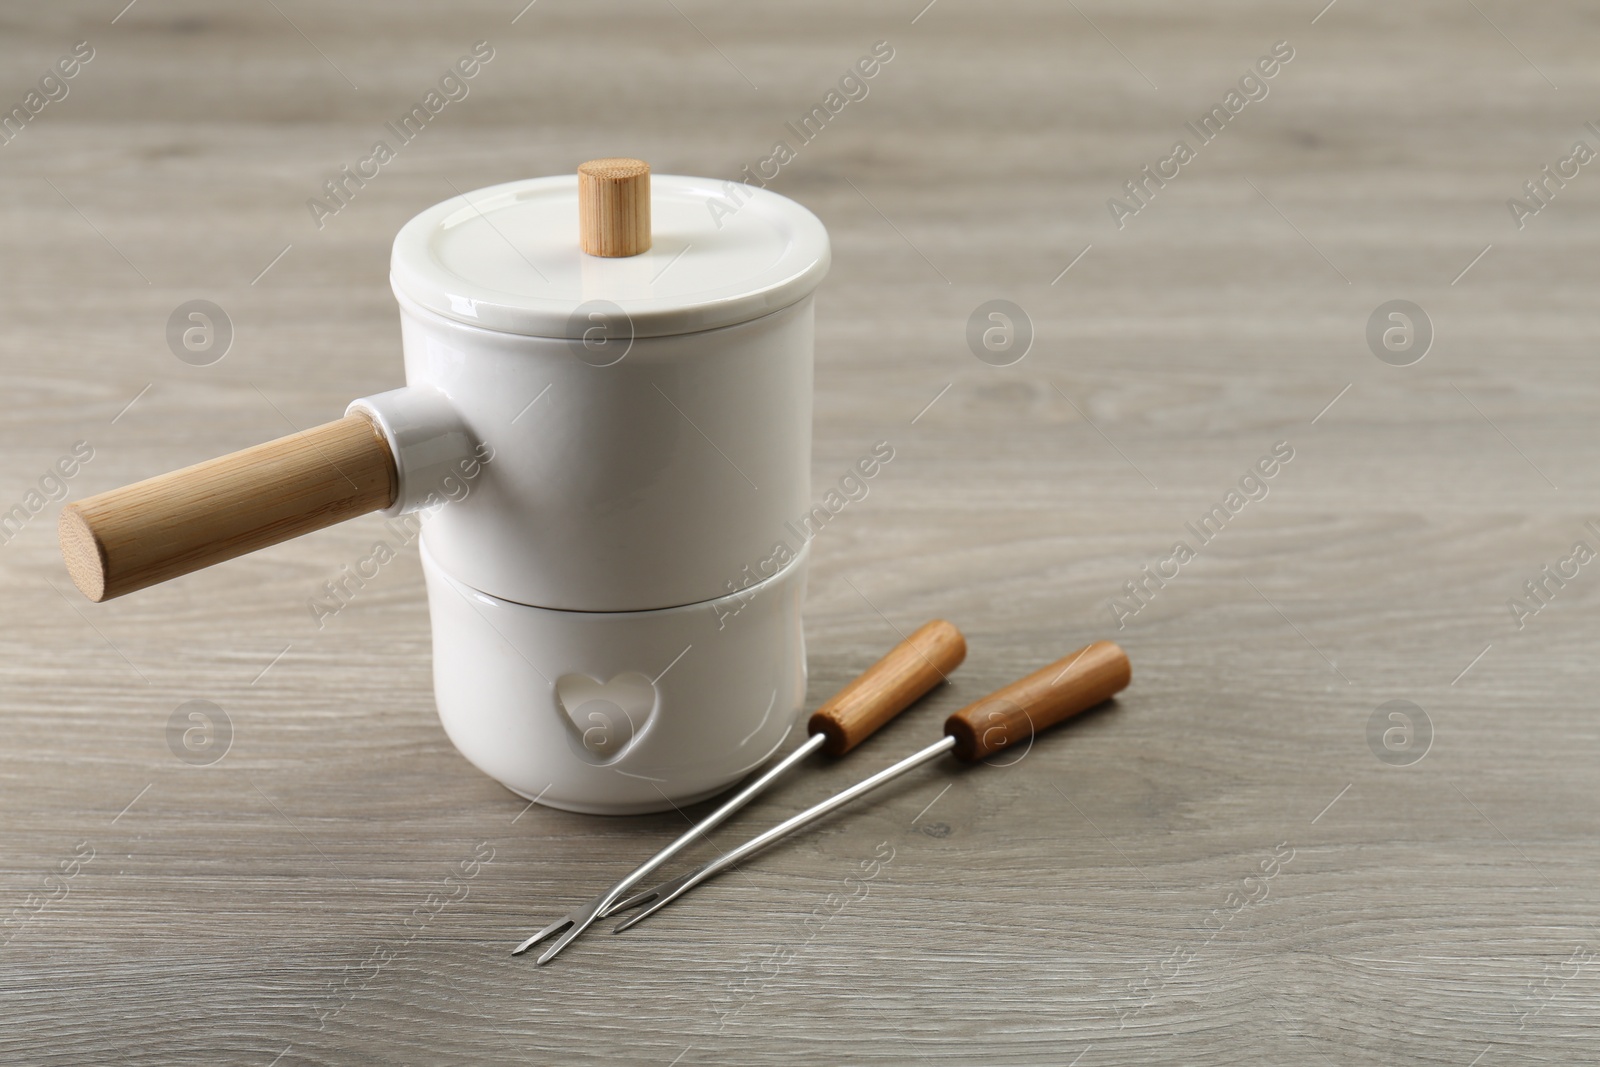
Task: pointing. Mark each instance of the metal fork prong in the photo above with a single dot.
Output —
(639, 916)
(642, 897)
(624, 904)
(565, 940)
(554, 928)
(663, 894)
(582, 919)
(673, 886)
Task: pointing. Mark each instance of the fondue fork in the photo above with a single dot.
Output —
(1050, 695)
(885, 689)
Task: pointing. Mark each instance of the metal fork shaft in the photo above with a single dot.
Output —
(598, 907)
(722, 814)
(784, 829)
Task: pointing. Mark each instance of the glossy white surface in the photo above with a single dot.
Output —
(591, 502)
(506, 258)
(648, 483)
(617, 713)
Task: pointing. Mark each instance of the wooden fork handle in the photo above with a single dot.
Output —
(1053, 694)
(889, 686)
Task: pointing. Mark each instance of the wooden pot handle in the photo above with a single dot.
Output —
(128, 538)
(889, 686)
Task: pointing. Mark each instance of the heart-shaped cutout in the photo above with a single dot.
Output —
(606, 716)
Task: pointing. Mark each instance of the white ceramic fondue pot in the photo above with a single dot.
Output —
(605, 429)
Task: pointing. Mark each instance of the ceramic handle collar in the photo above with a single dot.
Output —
(428, 439)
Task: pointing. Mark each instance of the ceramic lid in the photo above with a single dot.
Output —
(506, 258)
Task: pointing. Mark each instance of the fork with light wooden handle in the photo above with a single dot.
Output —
(854, 714)
(1050, 695)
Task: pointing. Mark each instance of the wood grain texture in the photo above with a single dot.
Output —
(1013, 716)
(1089, 903)
(889, 686)
(614, 207)
(155, 530)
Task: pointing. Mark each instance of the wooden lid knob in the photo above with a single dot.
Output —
(614, 207)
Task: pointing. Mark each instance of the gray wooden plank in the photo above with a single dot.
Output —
(1073, 908)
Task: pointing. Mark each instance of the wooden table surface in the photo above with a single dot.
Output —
(1243, 860)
